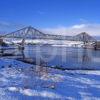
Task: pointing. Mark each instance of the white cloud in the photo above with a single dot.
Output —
(92, 29)
(4, 24)
(6, 27)
(78, 26)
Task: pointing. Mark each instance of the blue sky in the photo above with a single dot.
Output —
(49, 13)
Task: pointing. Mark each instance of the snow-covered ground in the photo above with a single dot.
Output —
(20, 81)
(47, 41)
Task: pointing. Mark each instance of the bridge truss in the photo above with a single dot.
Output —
(33, 33)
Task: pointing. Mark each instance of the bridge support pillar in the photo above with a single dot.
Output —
(21, 47)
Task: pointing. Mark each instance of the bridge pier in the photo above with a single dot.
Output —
(97, 45)
(21, 47)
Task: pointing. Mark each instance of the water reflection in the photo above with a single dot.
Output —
(66, 57)
(22, 53)
(86, 56)
(61, 56)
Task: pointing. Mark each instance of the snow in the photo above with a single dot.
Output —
(21, 81)
(66, 43)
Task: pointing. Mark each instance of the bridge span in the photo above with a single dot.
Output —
(20, 37)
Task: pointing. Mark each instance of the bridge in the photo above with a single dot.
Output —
(19, 37)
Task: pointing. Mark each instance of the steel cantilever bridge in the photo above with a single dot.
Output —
(31, 33)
